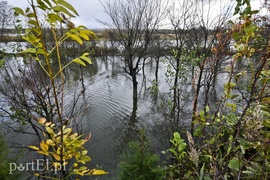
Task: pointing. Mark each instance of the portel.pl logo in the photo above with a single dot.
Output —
(39, 165)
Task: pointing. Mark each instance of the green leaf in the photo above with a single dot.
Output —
(33, 22)
(78, 61)
(234, 164)
(173, 152)
(202, 172)
(248, 172)
(182, 147)
(68, 6)
(58, 9)
(29, 50)
(42, 5)
(30, 15)
(18, 10)
(54, 17)
(207, 109)
(41, 51)
(48, 2)
(2, 62)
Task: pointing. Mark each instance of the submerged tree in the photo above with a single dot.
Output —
(191, 63)
(134, 23)
(209, 25)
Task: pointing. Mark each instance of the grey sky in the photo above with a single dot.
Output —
(90, 10)
(87, 9)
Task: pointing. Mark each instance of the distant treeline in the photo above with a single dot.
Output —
(13, 34)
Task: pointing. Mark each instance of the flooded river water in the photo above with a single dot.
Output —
(109, 102)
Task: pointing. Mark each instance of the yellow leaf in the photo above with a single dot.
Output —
(78, 61)
(56, 157)
(48, 123)
(73, 136)
(67, 131)
(49, 130)
(266, 100)
(41, 120)
(85, 171)
(86, 54)
(83, 159)
(43, 152)
(86, 59)
(34, 147)
(82, 168)
(77, 155)
(75, 164)
(77, 38)
(84, 36)
(49, 142)
(98, 172)
(58, 150)
(52, 125)
(44, 146)
(84, 152)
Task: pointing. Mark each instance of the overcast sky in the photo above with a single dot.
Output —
(89, 11)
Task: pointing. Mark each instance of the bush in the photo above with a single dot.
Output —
(139, 163)
(4, 161)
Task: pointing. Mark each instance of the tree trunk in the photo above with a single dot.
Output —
(195, 104)
(135, 87)
(133, 117)
(175, 94)
(156, 72)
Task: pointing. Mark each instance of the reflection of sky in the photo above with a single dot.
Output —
(90, 10)
(12, 47)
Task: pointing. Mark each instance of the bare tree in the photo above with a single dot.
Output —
(28, 93)
(134, 23)
(194, 28)
(179, 15)
(6, 16)
(210, 20)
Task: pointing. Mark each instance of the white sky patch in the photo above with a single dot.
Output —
(90, 10)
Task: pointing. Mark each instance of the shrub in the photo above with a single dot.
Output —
(139, 163)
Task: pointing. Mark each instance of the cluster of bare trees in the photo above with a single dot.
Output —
(134, 23)
(195, 29)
